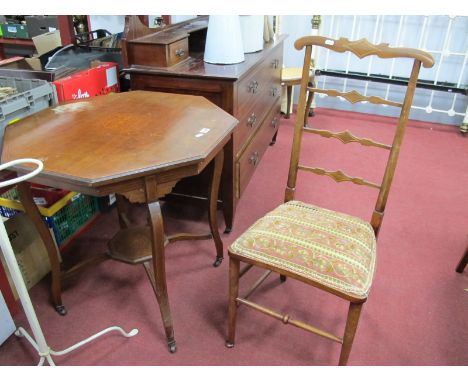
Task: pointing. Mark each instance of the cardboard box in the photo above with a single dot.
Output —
(26, 63)
(45, 196)
(7, 293)
(38, 62)
(38, 25)
(46, 42)
(46, 45)
(16, 62)
(100, 80)
(29, 249)
(34, 62)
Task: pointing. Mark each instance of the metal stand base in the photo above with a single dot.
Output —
(47, 355)
(38, 342)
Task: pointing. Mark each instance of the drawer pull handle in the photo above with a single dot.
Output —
(252, 120)
(180, 52)
(274, 91)
(254, 159)
(253, 86)
(275, 63)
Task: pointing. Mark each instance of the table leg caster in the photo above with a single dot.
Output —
(60, 309)
(273, 140)
(282, 278)
(171, 345)
(228, 230)
(218, 262)
(229, 345)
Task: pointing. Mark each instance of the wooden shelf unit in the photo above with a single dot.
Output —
(67, 34)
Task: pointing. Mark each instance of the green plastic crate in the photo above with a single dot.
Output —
(15, 31)
(68, 220)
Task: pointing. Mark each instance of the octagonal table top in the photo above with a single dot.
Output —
(100, 140)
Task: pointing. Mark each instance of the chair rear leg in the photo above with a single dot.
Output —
(463, 261)
(310, 108)
(288, 101)
(234, 266)
(309, 111)
(351, 325)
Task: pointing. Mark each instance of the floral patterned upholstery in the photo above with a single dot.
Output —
(328, 247)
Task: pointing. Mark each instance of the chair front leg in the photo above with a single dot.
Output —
(462, 263)
(234, 266)
(351, 325)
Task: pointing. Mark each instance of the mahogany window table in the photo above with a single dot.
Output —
(137, 145)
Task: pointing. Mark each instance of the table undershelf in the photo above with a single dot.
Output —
(131, 245)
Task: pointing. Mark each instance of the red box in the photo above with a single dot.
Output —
(88, 83)
(45, 196)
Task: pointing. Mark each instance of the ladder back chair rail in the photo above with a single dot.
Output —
(361, 48)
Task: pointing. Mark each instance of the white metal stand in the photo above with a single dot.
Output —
(38, 342)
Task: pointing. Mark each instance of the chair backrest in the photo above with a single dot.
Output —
(361, 48)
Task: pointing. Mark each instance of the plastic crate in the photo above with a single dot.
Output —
(15, 31)
(66, 217)
(6, 209)
(71, 218)
(32, 96)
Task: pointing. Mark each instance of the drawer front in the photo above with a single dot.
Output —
(177, 51)
(260, 83)
(256, 95)
(248, 124)
(215, 91)
(250, 158)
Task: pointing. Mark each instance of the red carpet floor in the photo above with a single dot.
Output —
(417, 312)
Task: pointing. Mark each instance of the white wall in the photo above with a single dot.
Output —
(114, 24)
(294, 27)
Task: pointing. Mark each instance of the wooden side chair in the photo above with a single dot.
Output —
(329, 250)
(291, 77)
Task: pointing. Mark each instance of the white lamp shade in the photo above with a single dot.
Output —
(252, 32)
(224, 40)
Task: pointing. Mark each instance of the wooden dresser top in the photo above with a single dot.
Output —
(194, 66)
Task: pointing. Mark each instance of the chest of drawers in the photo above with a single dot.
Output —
(250, 91)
